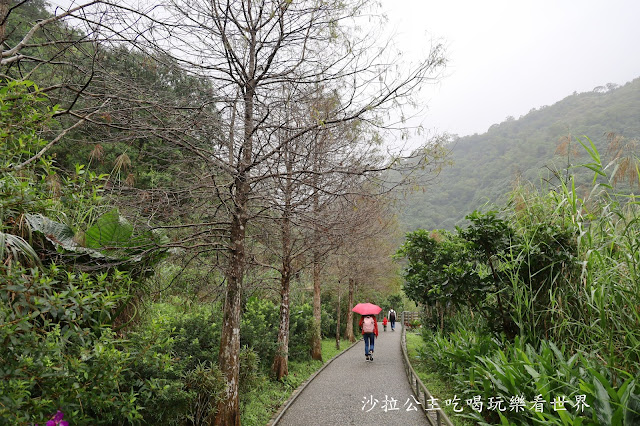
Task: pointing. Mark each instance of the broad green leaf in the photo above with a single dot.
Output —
(631, 404)
(60, 235)
(564, 416)
(532, 372)
(110, 230)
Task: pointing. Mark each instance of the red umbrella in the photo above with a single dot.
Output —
(367, 309)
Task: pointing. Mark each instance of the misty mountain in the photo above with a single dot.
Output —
(486, 166)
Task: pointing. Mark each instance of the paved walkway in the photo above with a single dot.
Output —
(351, 391)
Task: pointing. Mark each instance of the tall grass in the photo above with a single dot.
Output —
(477, 365)
(596, 309)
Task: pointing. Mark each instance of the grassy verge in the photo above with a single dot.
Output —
(259, 405)
(439, 387)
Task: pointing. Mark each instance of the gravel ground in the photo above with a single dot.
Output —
(352, 391)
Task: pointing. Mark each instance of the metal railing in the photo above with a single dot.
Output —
(435, 417)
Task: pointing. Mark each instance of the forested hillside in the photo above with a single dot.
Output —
(486, 166)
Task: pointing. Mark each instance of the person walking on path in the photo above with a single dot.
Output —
(384, 323)
(392, 319)
(349, 392)
(369, 327)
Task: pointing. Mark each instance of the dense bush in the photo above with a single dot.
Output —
(174, 354)
(492, 266)
(57, 350)
(59, 353)
(205, 382)
(259, 330)
(457, 350)
(329, 320)
(300, 331)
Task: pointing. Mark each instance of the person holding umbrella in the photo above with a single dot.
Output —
(368, 325)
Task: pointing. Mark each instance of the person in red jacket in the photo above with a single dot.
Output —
(384, 323)
(369, 327)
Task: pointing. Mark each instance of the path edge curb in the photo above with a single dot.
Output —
(283, 409)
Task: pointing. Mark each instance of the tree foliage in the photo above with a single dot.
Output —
(486, 267)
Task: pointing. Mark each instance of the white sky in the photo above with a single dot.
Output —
(506, 57)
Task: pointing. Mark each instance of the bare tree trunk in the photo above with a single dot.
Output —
(4, 10)
(232, 127)
(228, 410)
(316, 340)
(280, 366)
(338, 320)
(349, 332)
(281, 359)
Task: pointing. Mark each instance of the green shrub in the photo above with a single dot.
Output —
(300, 329)
(196, 339)
(329, 315)
(250, 373)
(170, 347)
(206, 382)
(328, 322)
(259, 329)
(58, 353)
(457, 351)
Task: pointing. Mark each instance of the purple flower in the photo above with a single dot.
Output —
(57, 420)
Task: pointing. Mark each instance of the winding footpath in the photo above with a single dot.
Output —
(352, 391)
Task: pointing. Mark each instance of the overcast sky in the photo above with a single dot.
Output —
(506, 57)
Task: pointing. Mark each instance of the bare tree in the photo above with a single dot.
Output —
(229, 142)
(364, 254)
(314, 171)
